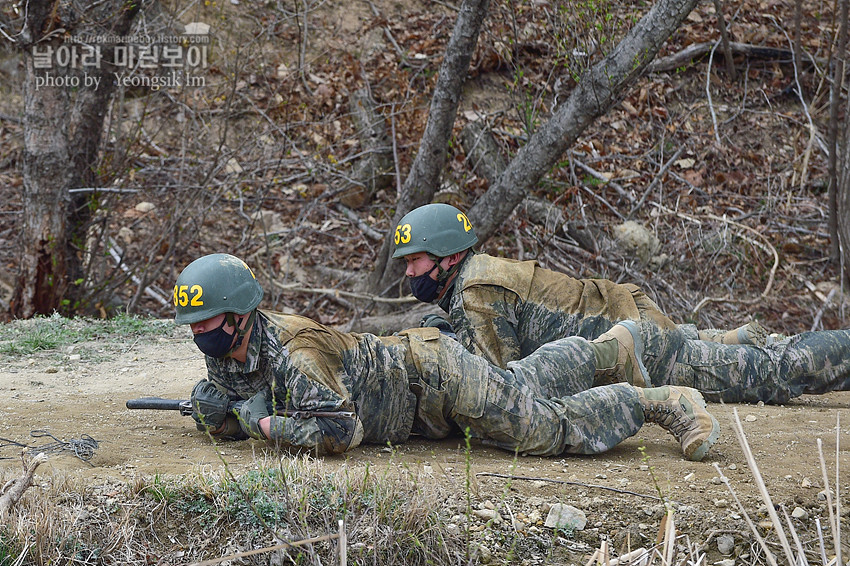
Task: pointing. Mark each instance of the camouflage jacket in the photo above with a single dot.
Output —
(504, 309)
(305, 365)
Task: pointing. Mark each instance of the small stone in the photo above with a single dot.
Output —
(733, 466)
(197, 28)
(725, 562)
(145, 206)
(232, 166)
(74, 357)
(716, 481)
(751, 418)
(806, 483)
(488, 515)
(726, 545)
(721, 503)
(800, 513)
(688, 477)
(566, 517)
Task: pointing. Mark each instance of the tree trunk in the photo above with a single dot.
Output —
(424, 177)
(62, 133)
(600, 87)
(842, 208)
(835, 148)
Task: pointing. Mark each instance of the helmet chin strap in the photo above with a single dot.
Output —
(443, 275)
(240, 332)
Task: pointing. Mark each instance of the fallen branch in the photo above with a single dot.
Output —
(696, 50)
(343, 551)
(296, 288)
(14, 489)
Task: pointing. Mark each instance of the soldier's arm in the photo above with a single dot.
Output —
(311, 387)
(486, 321)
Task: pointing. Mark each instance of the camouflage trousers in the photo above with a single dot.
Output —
(811, 362)
(541, 405)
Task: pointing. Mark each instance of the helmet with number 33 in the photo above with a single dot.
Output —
(437, 229)
(215, 284)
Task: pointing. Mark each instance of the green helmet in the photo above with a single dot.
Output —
(438, 229)
(215, 284)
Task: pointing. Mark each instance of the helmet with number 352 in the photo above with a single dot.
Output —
(215, 284)
(438, 229)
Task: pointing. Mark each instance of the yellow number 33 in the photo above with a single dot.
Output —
(402, 234)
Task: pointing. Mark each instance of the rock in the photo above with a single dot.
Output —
(145, 206)
(566, 517)
(726, 545)
(635, 239)
(800, 513)
(488, 515)
(806, 483)
(197, 28)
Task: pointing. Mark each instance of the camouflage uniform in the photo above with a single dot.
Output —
(504, 310)
(811, 363)
(422, 382)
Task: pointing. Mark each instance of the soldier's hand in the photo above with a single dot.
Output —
(250, 414)
(209, 405)
(437, 321)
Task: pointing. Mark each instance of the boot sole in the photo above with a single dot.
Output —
(701, 450)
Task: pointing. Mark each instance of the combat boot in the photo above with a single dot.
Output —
(681, 412)
(619, 356)
(750, 334)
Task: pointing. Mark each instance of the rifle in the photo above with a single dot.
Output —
(185, 408)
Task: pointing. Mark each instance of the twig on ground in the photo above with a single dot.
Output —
(297, 288)
(365, 228)
(602, 177)
(655, 181)
(708, 95)
(827, 301)
(293, 544)
(765, 245)
(14, 490)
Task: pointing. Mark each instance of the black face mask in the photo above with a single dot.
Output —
(424, 288)
(215, 343)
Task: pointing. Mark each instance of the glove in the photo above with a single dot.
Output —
(437, 321)
(209, 405)
(251, 412)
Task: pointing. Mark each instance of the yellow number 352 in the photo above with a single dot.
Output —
(182, 295)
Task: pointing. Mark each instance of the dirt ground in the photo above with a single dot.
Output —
(73, 397)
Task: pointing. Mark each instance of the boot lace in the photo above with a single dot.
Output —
(672, 419)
